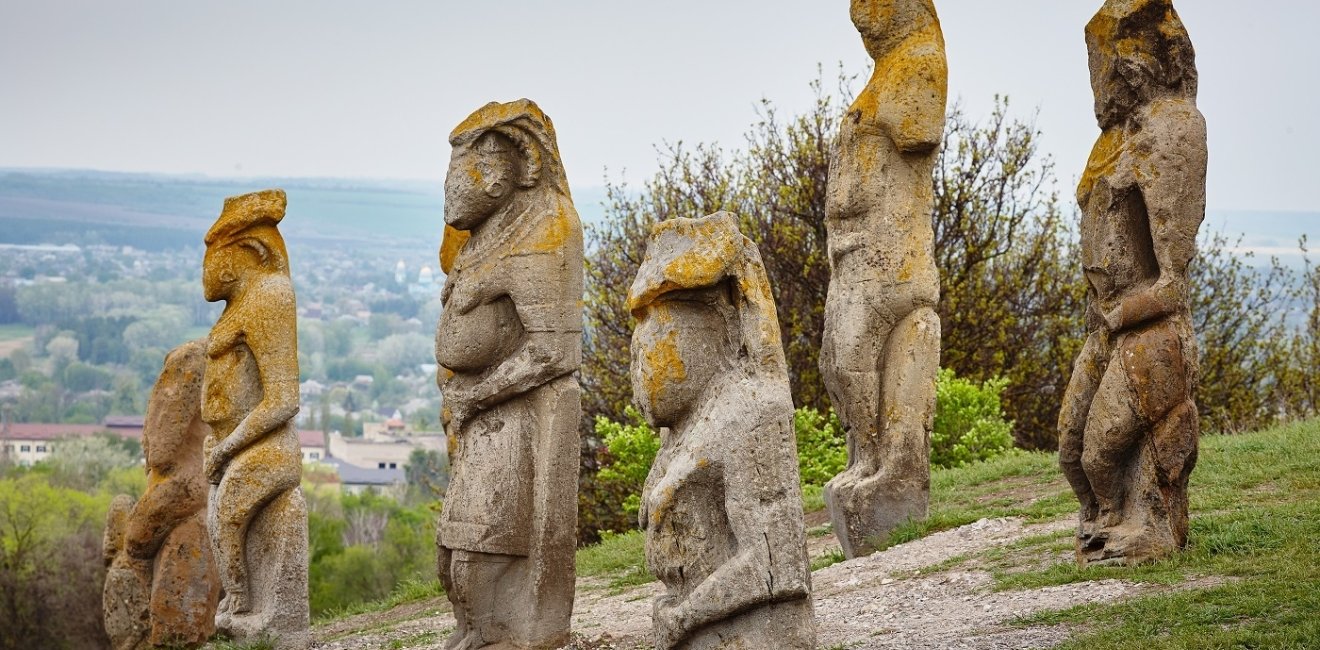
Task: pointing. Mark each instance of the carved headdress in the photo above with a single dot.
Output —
(253, 216)
(530, 129)
(1149, 41)
(688, 254)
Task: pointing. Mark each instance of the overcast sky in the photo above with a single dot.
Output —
(371, 89)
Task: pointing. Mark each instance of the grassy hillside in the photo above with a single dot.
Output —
(1255, 541)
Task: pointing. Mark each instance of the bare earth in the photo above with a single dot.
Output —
(931, 593)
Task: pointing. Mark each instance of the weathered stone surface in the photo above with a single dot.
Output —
(160, 546)
(256, 514)
(1128, 428)
(508, 344)
(881, 345)
(722, 506)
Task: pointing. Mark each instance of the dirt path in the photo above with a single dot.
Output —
(927, 594)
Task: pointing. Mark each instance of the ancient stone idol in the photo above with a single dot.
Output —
(256, 514)
(1128, 427)
(722, 506)
(161, 588)
(880, 350)
(508, 344)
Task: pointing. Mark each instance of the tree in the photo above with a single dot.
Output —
(82, 463)
(1011, 290)
(50, 566)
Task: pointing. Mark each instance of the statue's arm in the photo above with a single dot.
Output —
(273, 339)
(162, 507)
(768, 567)
(552, 341)
(1171, 176)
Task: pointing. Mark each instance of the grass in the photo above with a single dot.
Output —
(407, 591)
(829, 558)
(413, 641)
(1256, 523)
(1017, 484)
(225, 644)
(619, 558)
(15, 331)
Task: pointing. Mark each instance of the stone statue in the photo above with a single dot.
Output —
(508, 344)
(256, 514)
(161, 588)
(1128, 428)
(880, 351)
(722, 506)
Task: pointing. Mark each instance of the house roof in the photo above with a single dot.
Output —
(350, 474)
(311, 438)
(43, 431)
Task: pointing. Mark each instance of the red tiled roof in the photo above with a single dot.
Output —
(42, 431)
(125, 421)
(311, 438)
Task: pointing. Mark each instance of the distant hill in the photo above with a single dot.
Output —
(153, 211)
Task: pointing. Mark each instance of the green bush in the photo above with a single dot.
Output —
(821, 447)
(969, 421)
(632, 449)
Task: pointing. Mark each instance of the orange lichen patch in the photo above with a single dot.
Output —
(1104, 157)
(496, 113)
(662, 358)
(450, 246)
(905, 97)
(550, 235)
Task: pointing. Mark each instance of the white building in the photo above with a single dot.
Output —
(27, 444)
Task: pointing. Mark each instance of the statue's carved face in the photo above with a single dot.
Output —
(1112, 80)
(678, 346)
(482, 178)
(221, 269)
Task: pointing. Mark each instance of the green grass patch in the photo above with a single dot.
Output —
(1255, 522)
(15, 331)
(408, 591)
(620, 558)
(813, 498)
(829, 558)
(226, 644)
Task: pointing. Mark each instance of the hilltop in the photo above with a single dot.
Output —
(992, 568)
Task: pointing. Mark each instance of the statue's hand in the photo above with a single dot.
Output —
(667, 616)
(215, 463)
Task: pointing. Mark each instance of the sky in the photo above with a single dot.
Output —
(333, 88)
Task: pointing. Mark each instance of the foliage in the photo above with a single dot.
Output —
(776, 186)
(969, 421)
(1011, 290)
(50, 565)
(821, 447)
(632, 449)
(83, 463)
(427, 474)
(364, 546)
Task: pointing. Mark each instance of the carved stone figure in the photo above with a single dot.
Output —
(161, 588)
(256, 514)
(508, 344)
(1128, 428)
(880, 350)
(722, 506)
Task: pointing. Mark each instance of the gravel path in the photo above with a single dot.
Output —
(882, 601)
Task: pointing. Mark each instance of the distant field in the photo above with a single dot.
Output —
(13, 337)
(157, 212)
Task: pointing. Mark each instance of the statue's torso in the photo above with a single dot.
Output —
(231, 387)
(878, 206)
(1117, 251)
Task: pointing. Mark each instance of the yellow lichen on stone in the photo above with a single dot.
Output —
(450, 246)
